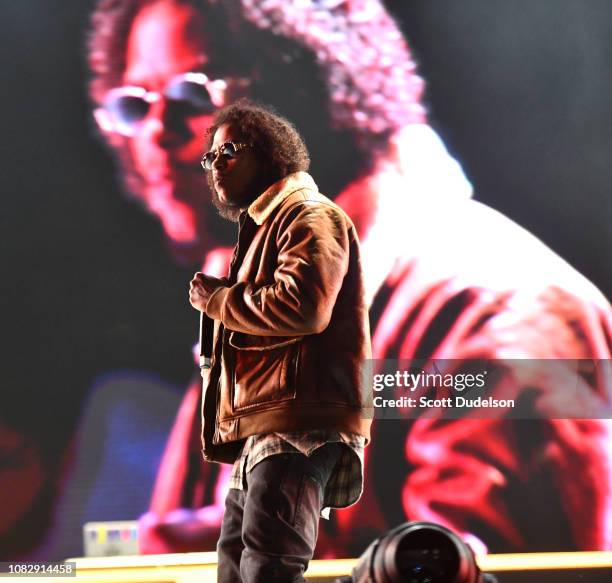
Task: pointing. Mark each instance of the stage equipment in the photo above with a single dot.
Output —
(418, 552)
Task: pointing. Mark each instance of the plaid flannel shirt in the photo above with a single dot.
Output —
(346, 482)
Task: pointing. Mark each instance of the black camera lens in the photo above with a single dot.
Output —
(427, 556)
(418, 552)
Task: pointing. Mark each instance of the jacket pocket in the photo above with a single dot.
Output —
(265, 370)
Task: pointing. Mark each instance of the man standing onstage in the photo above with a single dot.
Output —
(285, 400)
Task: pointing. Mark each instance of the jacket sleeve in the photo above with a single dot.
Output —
(312, 260)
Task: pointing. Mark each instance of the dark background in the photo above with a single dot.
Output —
(521, 92)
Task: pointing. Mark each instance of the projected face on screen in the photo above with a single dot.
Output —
(163, 69)
(167, 143)
(164, 107)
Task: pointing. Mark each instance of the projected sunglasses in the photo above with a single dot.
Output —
(192, 94)
(227, 150)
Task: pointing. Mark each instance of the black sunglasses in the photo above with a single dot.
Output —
(227, 150)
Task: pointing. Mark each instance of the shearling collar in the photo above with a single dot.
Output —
(261, 208)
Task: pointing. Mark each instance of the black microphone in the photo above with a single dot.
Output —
(207, 326)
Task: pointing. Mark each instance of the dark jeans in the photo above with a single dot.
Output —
(270, 528)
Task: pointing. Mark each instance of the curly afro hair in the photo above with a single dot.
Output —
(278, 144)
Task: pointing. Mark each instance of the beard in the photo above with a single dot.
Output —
(227, 211)
(232, 212)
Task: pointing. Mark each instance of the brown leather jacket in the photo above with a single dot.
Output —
(292, 333)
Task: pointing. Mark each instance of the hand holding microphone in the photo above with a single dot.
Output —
(201, 288)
